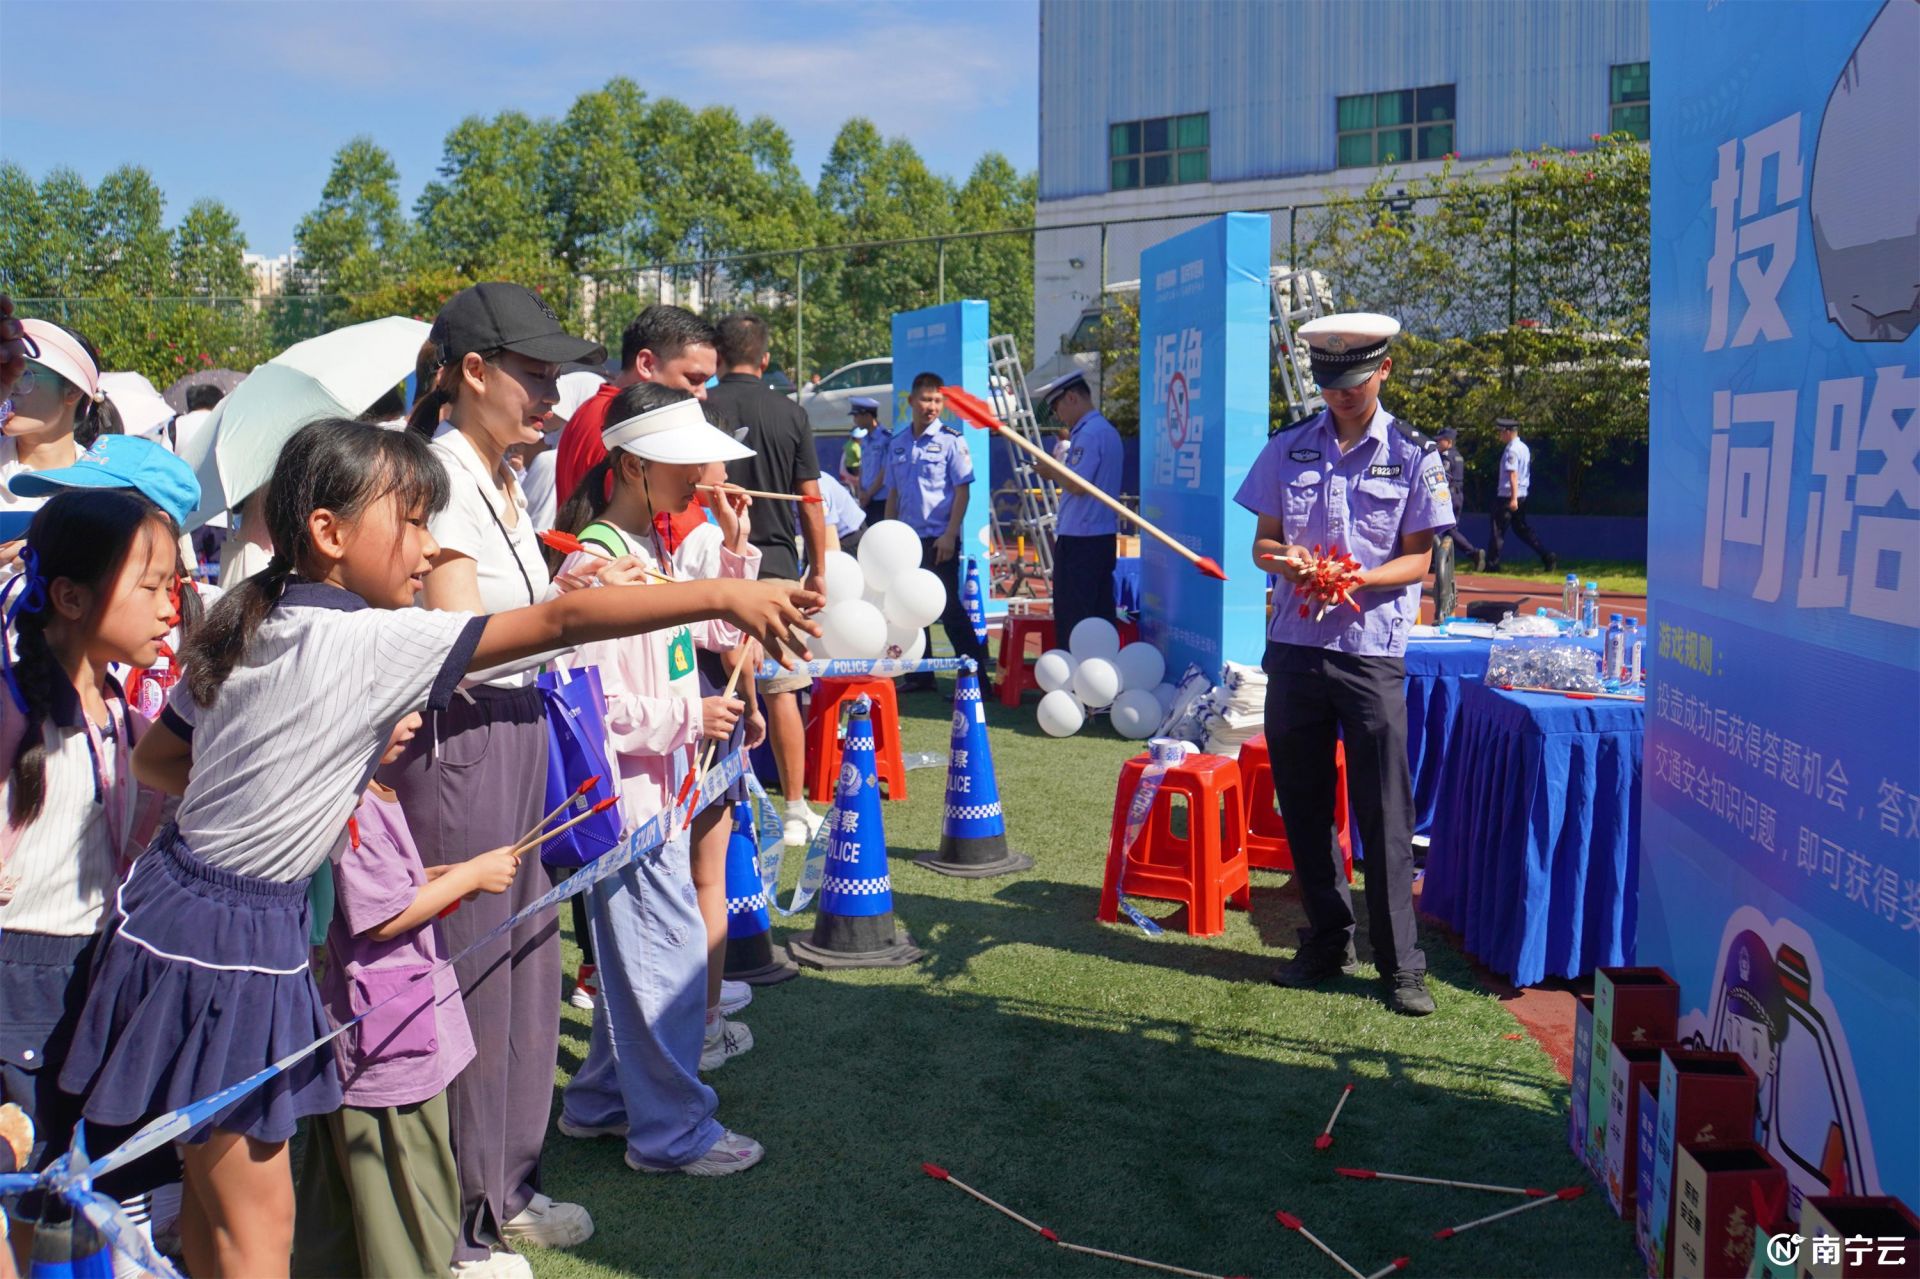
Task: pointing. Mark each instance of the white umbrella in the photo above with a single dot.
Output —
(142, 411)
(338, 374)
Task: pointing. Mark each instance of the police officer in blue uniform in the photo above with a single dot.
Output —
(1355, 477)
(930, 472)
(1084, 546)
(874, 447)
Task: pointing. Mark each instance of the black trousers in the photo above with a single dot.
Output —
(1460, 542)
(876, 511)
(956, 623)
(1517, 517)
(1082, 581)
(1316, 697)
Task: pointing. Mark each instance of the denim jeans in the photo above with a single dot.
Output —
(643, 1060)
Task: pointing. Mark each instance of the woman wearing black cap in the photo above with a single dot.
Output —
(476, 778)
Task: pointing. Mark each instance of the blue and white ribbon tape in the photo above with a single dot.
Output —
(773, 850)
(879, 668)
(71, 1177)
(1165, 753)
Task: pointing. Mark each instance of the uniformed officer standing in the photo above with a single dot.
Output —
(1516, 478)
(1084, 546)
(874, 450)
(1355, 477)
(1448, 544)
(931, 474)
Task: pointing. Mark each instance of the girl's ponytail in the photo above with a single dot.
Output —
(588, 503)
(334, 464)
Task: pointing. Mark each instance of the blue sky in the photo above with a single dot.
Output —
(247, 100)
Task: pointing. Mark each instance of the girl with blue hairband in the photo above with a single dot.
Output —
(97, 571)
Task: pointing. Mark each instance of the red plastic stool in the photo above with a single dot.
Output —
(1129, 631)
(823, 735)
(1207, 867)
(1016, 672)
(1266, 834)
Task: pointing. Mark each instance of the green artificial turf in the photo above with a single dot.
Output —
(1623, 577)
(1149, 1096)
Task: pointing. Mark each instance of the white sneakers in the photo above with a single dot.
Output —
(585, 988)
(500, 1264)
(725, 1040)
(734, 995)
(732, 1153)
(549, 1224)
(801, 823)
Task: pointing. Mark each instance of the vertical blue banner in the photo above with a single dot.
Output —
(1781, 881)
(1203, 420)
(950, 340)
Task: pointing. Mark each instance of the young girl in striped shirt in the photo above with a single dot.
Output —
(294, 684)
(641, 1078)
(94, 588)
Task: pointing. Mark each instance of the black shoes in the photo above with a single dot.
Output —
(1407, 994)
(1479, 561)
(1553, 561)
(1316, 966)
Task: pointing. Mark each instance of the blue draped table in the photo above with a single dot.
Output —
(1437, 669)
(1126, 584)
(1535, 854)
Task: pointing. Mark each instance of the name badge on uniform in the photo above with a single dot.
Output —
(1303, 455)
(1384, 471)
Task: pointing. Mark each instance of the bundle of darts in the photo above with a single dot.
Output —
(1329, 582)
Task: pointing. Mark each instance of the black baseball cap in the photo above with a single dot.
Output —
(498, 316)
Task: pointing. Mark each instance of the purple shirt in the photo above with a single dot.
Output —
(1387, 485)
(926, 470)
(410, 1050)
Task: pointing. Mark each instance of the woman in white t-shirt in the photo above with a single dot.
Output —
(475, 777)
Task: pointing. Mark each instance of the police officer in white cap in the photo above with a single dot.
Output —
(1084, 547)
(1355, 477)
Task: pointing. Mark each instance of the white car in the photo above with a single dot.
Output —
(825, 402)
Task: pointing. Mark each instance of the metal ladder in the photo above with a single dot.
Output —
(1039, 500)
(1296, 297)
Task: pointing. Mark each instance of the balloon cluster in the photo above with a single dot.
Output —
(1330, 582)
(1094, 673)
(879, 605)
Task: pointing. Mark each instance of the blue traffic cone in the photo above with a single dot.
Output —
(66, 1246)
(975, 600)
(973, 836)
(752, 956)
(855, 927)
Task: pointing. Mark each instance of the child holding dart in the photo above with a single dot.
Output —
(379, 1193)
(1348, 503)
(654, 1028)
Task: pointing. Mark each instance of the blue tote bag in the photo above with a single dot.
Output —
(577, 750)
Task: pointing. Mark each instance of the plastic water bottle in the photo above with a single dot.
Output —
(1590, 609)
(1570, 596)
(1636, 645)
(1613, 653)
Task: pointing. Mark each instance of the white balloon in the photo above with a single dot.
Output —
(853, 629)
(875, 596)
(845, 581)
(1093, 637)
(1055, 670)
(1135, 714)
(1140, 665)
(1059, 714)
(1165, 695)
(1096, 683)
(904, 645)
(887, 550)
(915, 598)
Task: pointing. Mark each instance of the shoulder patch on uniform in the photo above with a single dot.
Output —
(1384, 471)
(1303, 455)
(1413, 436)
(1308, 420)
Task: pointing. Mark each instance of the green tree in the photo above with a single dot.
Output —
(130, 252)
(486, 213)
(997, 268)
(207, 249)
(359, 237)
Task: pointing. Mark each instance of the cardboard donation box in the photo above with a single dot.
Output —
(1857, 1236)
(1582, 1078)
(1646, 1141)
(1630, 1006)
(1716, 1187)
(1703, 1097)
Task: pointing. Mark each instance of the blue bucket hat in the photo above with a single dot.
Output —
(112, 462)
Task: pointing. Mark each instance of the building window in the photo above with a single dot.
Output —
(1627, 100)
(1395, 127)
(1159, 152)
